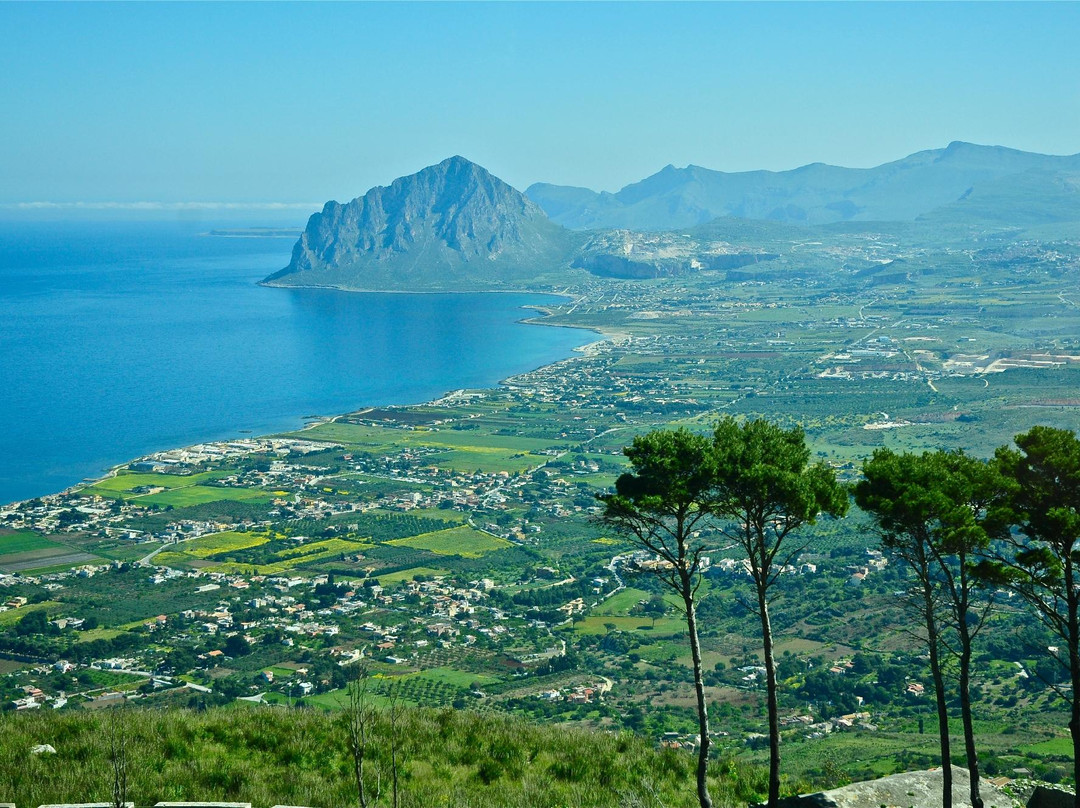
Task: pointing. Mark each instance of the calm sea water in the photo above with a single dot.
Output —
(118, 340)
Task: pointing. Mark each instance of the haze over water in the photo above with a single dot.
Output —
(121, 339)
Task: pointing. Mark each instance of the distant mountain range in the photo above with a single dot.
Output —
(815, 194)
(455, 226)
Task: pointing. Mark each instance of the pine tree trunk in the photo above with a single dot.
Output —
(939, 694)
(965, 710)
(1072, 601)
(774, 710)
(699, 689)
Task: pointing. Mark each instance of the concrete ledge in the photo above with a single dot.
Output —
(203, 805)
(82, 805)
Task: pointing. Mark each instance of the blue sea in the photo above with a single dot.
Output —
(117, 340)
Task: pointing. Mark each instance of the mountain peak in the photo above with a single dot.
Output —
(457, 163)
(447, 224)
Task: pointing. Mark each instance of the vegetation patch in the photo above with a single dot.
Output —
(13, 616)
(55, 558)
(460, 541)
(23, 541)
(408, 575)
(129, 484)
(200, 494)
(214, 543)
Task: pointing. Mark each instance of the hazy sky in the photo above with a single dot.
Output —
(284, 102)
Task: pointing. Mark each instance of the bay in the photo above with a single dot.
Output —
(117, 340)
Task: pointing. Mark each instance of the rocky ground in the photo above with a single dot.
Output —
(908, 790)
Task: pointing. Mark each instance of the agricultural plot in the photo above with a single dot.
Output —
(486, 460)
(206, 546)
(23, 541)
(13, 616)
(24, 551)
(460, 541)
(455, 678)
(459, 449)
(201, 494)
(117, 551)
(287, 560)
(323, 549)
(124, 483)
(605, 624)
(409, 574)
(622, 602)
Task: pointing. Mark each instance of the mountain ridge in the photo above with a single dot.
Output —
(454, 226)
(816, 193)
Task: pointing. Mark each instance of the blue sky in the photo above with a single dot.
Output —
(299, 103)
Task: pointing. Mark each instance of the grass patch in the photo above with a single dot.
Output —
(98, 634)
(323, 549)
(201, 494)
(55, 558)
(407, 575)
(227, 541)
(1056, 747)
(24, 541)
(124, 482)
(454, 677)
(13, 616)
(460, 541)
(598, 624)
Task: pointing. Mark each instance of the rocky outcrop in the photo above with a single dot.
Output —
(907, 790)
(634, 255)
(450, 226)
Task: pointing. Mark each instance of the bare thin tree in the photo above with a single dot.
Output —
(359, 716)
(117, 731)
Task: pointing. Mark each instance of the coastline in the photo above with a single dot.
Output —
(606, 335)
(309, 421)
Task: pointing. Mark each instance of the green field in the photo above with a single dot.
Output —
(98, 634)
(48, 556)
(13, 616)
(323, 549)
(123, 482)
(215, 543)
(200, 494)
(290, 558)
(454, 677)
(460, 541)
(407, 575)
(24, 541)
(598, 624)
(622, 602)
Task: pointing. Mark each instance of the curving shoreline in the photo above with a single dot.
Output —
(309, 421)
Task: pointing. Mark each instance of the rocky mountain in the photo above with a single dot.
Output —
(449, 226)
(995, 183)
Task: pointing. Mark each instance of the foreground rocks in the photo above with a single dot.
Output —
(908, 790)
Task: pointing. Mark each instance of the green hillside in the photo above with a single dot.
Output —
(269, 756)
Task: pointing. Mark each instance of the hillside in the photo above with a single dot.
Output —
(271, 756)
(991, 179)
(449, 226)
